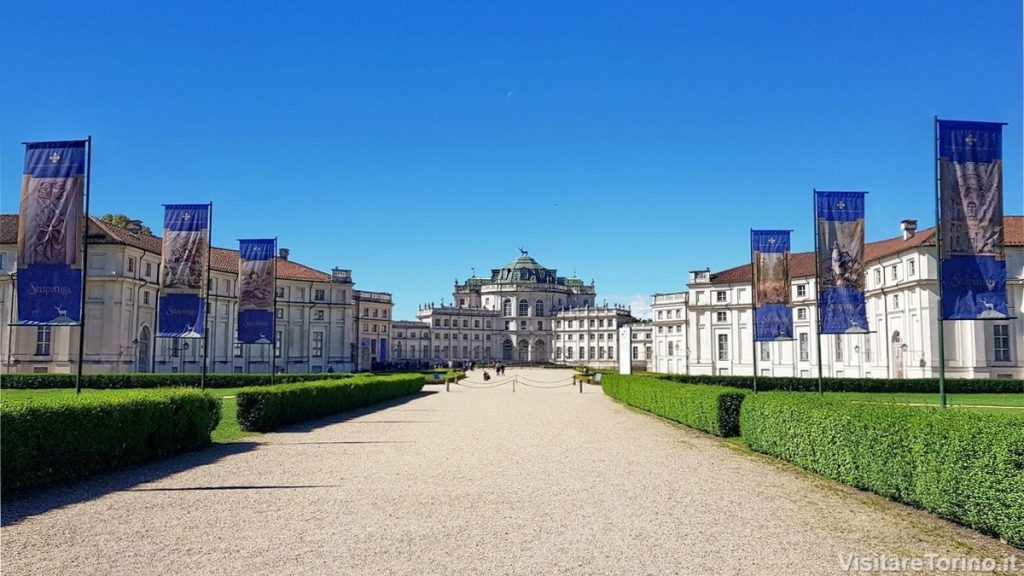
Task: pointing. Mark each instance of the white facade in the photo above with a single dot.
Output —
(901, 307)
(669, 330)
(315, 315)
(590, 336)
(373, 326)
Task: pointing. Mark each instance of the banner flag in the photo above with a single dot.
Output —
(256, 285)
(840, 251)
(773, 320)
(183, 270)
(50, 233)
(971, 220)
(383, 350)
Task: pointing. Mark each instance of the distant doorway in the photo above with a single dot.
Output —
(524, 351)
(506, 350)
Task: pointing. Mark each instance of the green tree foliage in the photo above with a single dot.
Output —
(123, 221)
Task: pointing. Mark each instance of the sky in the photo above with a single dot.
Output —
(413, 142)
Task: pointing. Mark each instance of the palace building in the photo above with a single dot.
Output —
(707, 329)
(322, 321)
(509, 316)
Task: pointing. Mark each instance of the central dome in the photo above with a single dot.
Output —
(523, 270)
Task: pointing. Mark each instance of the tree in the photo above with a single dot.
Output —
(123, 221)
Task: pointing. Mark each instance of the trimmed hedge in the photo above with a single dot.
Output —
(61, 438)
(263, 409)
(161, 380)
(793, 384)
(964, 466)
(713, 409)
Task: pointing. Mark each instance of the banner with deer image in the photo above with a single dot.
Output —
(773, 319)
(183, 270)
(256, 285)
(49, 268)
(839, 226)
(971, 220)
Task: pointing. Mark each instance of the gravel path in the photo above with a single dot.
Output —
(472, 481)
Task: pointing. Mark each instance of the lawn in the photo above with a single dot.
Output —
(1003, 403)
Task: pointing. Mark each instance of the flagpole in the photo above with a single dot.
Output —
(85, 265)
(753, 306)
(938, 270)
(206, 303)
(273, 325)
(156, 318)
(817, 287)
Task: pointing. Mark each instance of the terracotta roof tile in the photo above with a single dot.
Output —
(801, 264)
(221, 259)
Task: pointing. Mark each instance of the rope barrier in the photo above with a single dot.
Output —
(522, 378)
(485, 386)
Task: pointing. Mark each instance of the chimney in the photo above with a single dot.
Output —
(283, 253)
(134, 227)
(908, 228)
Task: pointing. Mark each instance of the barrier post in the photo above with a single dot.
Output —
(447, 385)
(581, 385)
(514, 378)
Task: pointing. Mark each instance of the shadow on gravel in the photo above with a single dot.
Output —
(21, 505)
(236, 487)
(338, 442)
(357, 413)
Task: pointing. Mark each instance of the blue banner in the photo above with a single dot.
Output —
(839, 225)
(183, 270)
(256, 285)
(971, 220)
(182, 315)
(383, 350)
(773, 319)
(49, 278)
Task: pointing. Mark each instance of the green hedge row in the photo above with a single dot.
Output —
(793, 384)
(160, 380)
(964, 466)
(60, 438)
(713, 409)
(263, 409)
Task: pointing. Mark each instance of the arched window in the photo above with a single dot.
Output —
(506, 307)
(538, 308)
(524, 307)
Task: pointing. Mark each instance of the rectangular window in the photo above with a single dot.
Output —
(804, 352)
(801, 290)
(279, 314)
(600, 353)
(592, 353)
(44, 334)
(723, 346)
(568, 353)
(720, 296)
(318, 314)
(131, 265)
(149, 269)
(145, 296)
(175, 348)
(801, 313)
(721, 316)
(465, 323)
(437, 322)
(582, 353)
(911, 267)
(522, 324)
(611, 354)
(318, 344)
(476, 323)
(488, 324)
(878, 277)
(1001, 342)
(238, 350)
(893, 272)
(661, 315)
(765, 354)
(867, 348)
(636, 352)
(278, 338)
(839, 349)
(376, 314)
(896, 301)
(318, 295)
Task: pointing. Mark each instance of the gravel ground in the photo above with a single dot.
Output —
(472, 481)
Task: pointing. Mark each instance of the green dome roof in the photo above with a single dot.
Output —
(523, 270)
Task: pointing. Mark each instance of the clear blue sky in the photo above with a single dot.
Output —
(413, 141)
